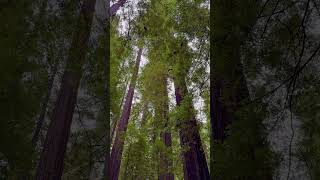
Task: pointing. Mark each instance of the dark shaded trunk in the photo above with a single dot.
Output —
(52, 157)
(224, 105)
(114, 126)
(228, 83)
(44, 106)
(165, 161)
(117, 147)
(165, 135)
(195, 164)
(229, 88)
(51, 161)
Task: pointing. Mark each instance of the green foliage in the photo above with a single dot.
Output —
(246, 147)
(137, 157)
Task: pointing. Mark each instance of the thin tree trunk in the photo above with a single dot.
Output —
(114, 126)
(44, 106)
(52, 157)
(165, 161)
(195, 164)
(117, 147)
(111, 11)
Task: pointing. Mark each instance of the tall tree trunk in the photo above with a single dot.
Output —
(195, 165)
(52, 157)
(44, 106)
(117, 147)
(114, 126)
(165, 161)
(111, 12)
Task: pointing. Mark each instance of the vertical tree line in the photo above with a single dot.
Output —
(166, 90)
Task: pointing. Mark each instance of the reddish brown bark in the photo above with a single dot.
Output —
(117, 147)
(51, 162)
(52, 157)
(165, 161)
(114, 126)
(195, 165)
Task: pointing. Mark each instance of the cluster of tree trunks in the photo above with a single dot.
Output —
(52, 157)
(227, 92)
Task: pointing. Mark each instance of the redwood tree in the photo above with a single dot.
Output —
(51, 161)
(117, 148)
(195, 164)
(165, 135)
(52, 156)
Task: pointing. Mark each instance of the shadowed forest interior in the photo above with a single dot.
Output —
(160, 89)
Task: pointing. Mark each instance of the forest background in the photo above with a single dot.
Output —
(170, 89)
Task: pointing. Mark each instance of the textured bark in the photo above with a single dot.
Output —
(44, 106)
(165, 161)
(195, 164)
(52, 157)
(117, 147)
